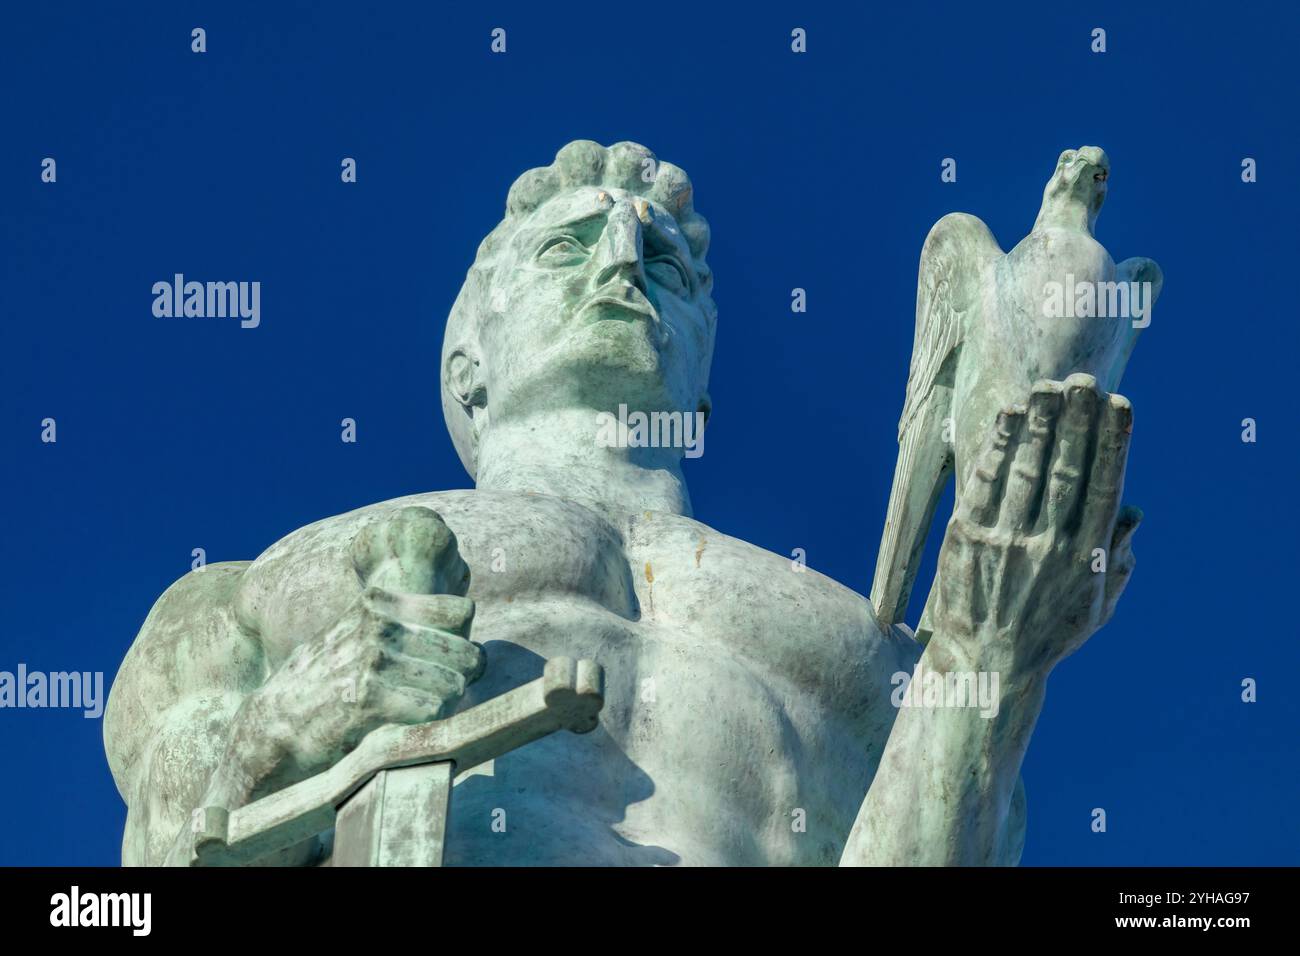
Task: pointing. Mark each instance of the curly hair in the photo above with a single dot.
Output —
(580, 163)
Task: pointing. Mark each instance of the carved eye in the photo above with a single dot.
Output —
(561, 251)
(667, 272)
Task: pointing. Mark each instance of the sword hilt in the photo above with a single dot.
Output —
(569, 695)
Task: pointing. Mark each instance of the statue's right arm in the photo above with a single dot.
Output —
(199, 716)
(172, 707)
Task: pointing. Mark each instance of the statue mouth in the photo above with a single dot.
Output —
(615, 308)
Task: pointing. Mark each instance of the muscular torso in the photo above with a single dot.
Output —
(747, 703)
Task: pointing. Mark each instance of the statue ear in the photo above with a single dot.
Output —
(705, 406)
(461, 374)
(1065, 157)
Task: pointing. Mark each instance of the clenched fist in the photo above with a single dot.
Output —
(400, 654)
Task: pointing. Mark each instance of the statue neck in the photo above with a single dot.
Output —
(557, 453)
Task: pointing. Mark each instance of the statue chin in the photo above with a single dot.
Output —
(618, 337)
(604, 362)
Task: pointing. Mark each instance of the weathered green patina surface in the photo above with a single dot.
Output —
(749, 707)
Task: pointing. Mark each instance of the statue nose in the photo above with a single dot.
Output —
(620, 249)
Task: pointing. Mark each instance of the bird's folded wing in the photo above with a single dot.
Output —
(949, 286)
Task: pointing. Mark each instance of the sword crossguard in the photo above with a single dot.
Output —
(569, 695)
(575, 692)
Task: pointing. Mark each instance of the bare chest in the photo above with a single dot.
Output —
(746, 702)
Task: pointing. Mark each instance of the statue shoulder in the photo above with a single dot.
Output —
(540, 542)
(190, 645)
(202, 642)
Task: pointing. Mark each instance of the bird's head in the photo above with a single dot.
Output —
(1077, 187)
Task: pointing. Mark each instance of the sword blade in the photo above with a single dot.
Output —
(399, 818)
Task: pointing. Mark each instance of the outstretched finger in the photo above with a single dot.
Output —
(981, 498)
(1106, 477)
(1069, 458)
(1024, 490)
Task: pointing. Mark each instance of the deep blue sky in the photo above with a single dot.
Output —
(819, 171)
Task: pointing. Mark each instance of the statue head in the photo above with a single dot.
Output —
(1078, 180)
(591, 292)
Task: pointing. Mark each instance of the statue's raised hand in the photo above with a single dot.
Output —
(1037, 552)
(399, 654)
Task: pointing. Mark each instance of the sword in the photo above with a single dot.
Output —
(389, 798)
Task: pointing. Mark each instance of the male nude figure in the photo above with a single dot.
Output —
(748, 716)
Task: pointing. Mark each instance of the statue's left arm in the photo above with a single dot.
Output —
(1035, 557)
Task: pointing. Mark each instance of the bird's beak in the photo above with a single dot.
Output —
(1097, 162)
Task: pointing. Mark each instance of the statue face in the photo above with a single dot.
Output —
(596, 301)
